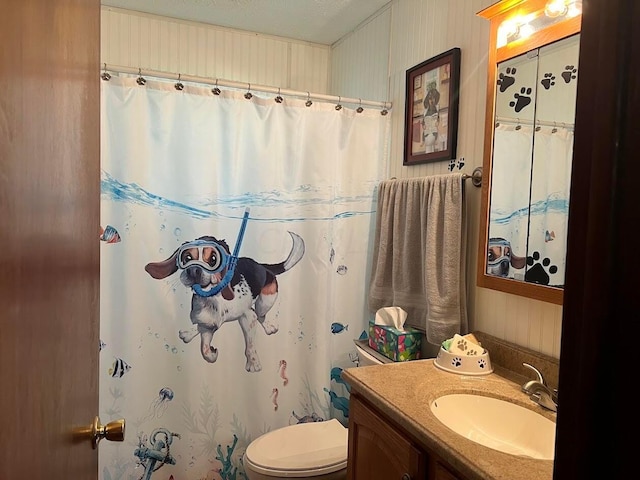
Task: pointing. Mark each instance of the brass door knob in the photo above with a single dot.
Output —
(112, 431)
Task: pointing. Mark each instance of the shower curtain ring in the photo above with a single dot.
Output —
(215, 90)
(179, 85)
(278, 98)
(339, 106)
(308, 103)
(105, 75)
(384, 110)
(140, 80)
(248, 95)
(360, 109)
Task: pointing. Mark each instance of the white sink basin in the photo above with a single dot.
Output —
(497, 424)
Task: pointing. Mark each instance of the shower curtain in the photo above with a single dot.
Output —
(550, 188)
(511, 176)
(235, 247)
(534, 220)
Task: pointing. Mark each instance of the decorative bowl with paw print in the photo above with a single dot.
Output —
(463, 364)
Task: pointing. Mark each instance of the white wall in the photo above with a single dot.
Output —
(419, 30)
(139, 40)
(369, 63)
(360, 60)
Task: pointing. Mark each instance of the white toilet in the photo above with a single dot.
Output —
(367, 356)
(314, 450)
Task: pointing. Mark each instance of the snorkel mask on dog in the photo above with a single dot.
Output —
(500, 256)
(211, 257)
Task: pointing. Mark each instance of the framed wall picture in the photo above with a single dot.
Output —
(431, 111)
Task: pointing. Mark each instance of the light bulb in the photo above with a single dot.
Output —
(555, 8)
(507, 30)
(574, 9)
(526, 30)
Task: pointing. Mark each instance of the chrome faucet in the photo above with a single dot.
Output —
(539, 391)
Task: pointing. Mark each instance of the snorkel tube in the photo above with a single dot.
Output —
(231, 264)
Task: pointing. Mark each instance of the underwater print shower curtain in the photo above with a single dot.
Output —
(235, 249)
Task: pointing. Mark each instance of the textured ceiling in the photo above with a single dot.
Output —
(319, 21)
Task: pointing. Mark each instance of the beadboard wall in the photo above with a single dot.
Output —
(360, 60)
(419, 30)
(140, 40)
(369, 63)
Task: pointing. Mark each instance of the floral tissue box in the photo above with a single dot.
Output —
(395, 344)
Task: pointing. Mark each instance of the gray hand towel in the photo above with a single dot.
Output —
(419, 253)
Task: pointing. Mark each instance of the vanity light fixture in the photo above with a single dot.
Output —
(520, 27)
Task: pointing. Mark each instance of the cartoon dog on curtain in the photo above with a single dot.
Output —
(226, 288)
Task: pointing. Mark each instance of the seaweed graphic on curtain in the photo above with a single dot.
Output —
(314, 406)
(119, 468)
(204, 421)
(114, 410)
(240, 432)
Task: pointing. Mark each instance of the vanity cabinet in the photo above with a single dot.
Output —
(378, 449)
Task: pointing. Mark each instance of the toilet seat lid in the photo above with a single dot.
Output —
(318, 447)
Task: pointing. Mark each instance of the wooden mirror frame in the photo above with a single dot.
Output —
(496, 14)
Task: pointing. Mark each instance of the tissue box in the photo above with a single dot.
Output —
(395, 344)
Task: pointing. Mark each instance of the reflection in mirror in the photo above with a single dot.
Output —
(531, 165)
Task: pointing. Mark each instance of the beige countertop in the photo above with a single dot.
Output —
(403, 392)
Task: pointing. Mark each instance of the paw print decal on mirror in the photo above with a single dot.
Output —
(548, 81)
(522, 99)
(570, 73)
(505, 80)
(539, 271)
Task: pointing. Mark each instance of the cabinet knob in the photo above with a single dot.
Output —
(406, 476)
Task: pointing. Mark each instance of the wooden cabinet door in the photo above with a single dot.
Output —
(440, 472)
(377, 450)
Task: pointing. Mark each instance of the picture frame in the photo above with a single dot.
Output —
(431, 109)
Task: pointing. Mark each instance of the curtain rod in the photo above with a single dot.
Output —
(522, 121)
(217, 82)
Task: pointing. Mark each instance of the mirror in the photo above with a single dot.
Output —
(533, 69)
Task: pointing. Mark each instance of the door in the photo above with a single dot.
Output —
(49, 236)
